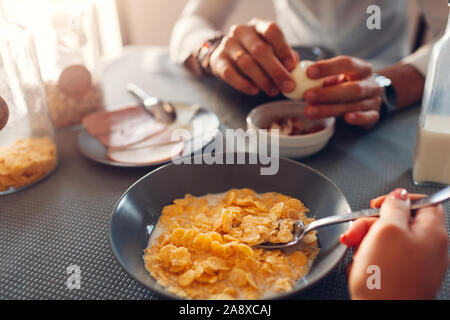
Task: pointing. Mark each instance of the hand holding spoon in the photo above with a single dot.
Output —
(300, 230)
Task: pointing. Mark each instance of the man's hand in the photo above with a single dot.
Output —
(255, 56)
(349, 91)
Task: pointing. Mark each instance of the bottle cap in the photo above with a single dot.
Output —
(4, 113)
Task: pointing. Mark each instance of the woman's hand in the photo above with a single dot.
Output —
(411, 254)
(253, 57)
(349, 91)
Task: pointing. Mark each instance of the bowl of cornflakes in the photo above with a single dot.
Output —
(190, 230)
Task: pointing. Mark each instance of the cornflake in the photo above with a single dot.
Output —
(205, 248)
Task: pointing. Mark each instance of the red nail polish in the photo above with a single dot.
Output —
(342, 238)
(400, 193)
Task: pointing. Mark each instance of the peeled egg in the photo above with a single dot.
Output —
(303, 82)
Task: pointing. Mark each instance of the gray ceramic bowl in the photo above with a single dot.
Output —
(138, 210)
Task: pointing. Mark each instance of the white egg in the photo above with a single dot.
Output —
(302, 81)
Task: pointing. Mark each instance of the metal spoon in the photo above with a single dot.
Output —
(160, 110)
(300, 230)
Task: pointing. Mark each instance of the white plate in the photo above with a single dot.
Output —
(91, 148)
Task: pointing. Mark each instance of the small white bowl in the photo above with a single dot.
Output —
(298, 146)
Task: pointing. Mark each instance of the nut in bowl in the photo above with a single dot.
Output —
(299, 136)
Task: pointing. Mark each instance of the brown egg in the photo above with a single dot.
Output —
(75, 81)
(4, 113)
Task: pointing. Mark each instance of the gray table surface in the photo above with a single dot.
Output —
(64, 220)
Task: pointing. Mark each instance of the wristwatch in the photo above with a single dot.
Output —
(206, 50)
(388, 95)
(198, 61)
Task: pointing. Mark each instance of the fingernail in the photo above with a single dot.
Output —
(253, 91)
(313, 72)
(310, 96)
(343, 238)
(341, 78)
(350, 117)
(311, 111)
(400, 194)
(287, 86)
(273, 92)
(289, 64)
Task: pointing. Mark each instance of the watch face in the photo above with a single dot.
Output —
(383, 81)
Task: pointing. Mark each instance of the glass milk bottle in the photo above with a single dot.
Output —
(432, 154)
(27, 149)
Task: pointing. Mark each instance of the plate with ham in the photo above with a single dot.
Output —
(129, 137)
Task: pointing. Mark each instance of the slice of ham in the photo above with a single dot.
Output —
(147, 154)
(122, 128)
(163, 137)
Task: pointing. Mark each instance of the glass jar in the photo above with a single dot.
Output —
(432, 154)
(69, 59)
(27, 148)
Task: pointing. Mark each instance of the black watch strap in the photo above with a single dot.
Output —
(388, 95)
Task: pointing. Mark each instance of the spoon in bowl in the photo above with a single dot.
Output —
(160, 110)
(300, 230)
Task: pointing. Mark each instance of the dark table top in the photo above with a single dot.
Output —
(64, 220)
